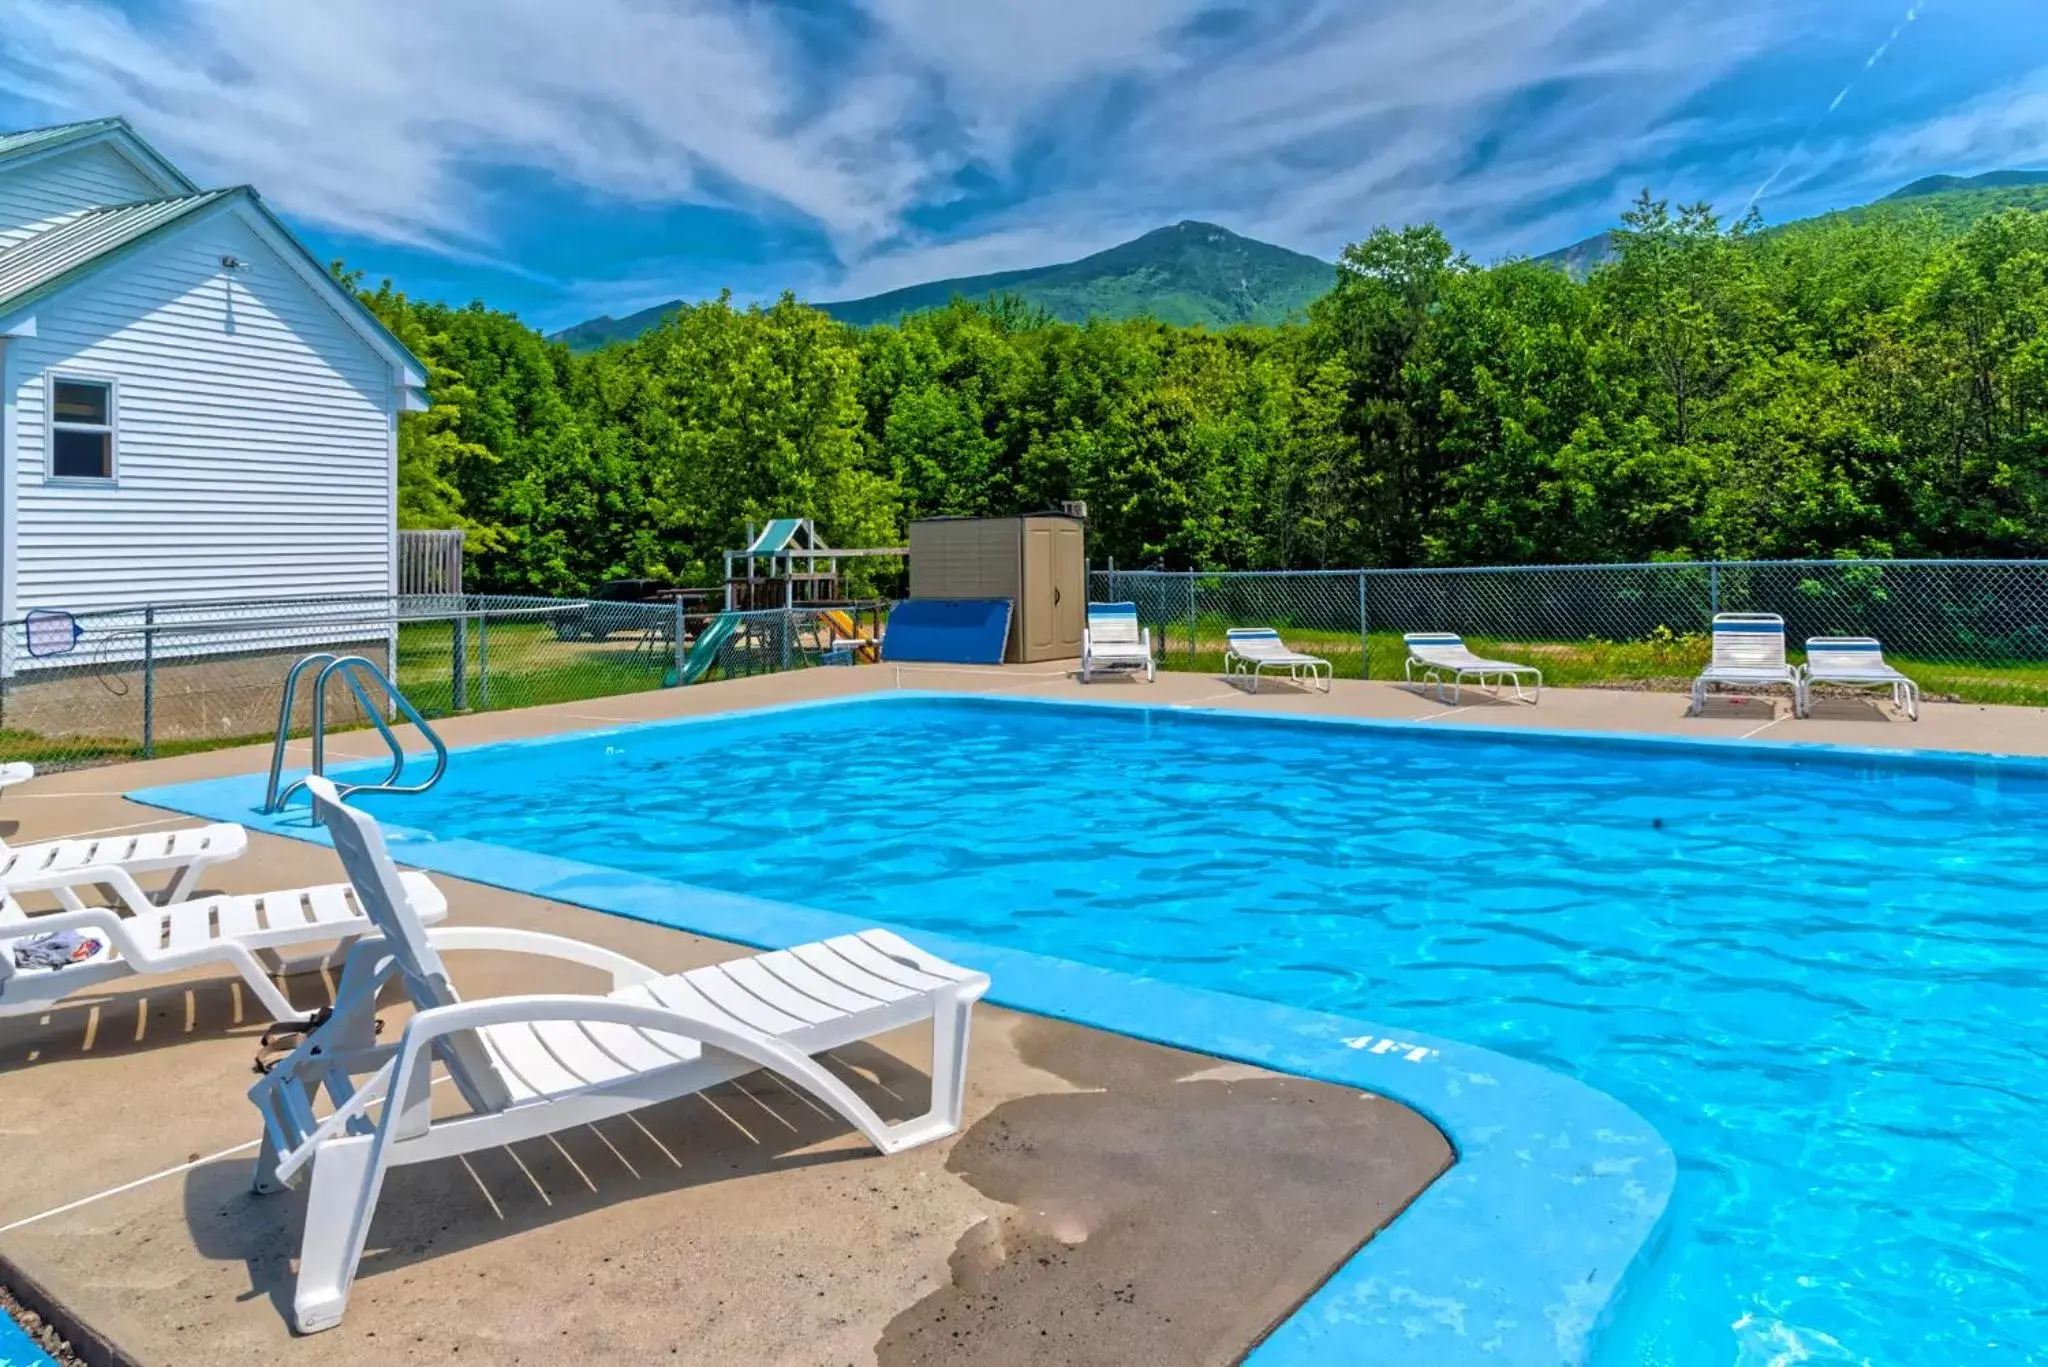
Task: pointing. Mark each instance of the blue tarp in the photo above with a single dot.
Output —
(952, 631)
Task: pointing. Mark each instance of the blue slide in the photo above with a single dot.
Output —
(704, 650)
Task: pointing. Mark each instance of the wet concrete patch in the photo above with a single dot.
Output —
(1173, 1211)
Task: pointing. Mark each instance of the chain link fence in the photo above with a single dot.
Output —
(163, 679)
(1970, 630)
(160, 679)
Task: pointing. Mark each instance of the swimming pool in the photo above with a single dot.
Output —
(1818, 974)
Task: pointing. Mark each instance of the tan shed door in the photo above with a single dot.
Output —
(1070, 589)
(1040, 588)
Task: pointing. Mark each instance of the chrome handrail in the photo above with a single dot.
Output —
(354, 671)
(284, 724)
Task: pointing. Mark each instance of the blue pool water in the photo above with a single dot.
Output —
(1821, 976)
(17, 1349)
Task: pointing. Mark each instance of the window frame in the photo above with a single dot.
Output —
(52, 424)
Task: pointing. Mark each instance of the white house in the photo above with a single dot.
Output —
(191, 408)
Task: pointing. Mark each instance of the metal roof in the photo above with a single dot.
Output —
(30, 142)
(39, 139)
(48, 259)
(53, 258)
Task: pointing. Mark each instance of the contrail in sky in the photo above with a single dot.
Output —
(1836, 103)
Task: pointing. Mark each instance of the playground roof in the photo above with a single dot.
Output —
(777, 535)
(790, 539)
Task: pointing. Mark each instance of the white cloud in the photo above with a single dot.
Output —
(1304, 120)
(1330, 118)
(2004, 128)
(373, 115)
(1393, 102)
(996, 63)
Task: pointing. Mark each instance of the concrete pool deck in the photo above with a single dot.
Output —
(1095, 1207)
(549, 1260)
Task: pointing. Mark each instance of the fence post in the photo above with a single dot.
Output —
(1364, 635)
(1714, 588)
(483, 659)
(676, 646)
(149, 681)
(1191, 619)
(460, 630)
(788, 629)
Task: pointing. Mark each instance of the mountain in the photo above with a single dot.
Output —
(604, 329)
(1579, 259)
(1962, 203)
(1990, 180)
(1188, 273)
(1957, 200)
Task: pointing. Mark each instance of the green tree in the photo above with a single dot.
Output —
(1858, 384)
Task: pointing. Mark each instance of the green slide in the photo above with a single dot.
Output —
(704, 650)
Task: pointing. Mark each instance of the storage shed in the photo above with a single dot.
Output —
(1038, 562)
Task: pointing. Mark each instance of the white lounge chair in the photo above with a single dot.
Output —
(533, 1065)
(15, 771)
(1254, 650)
(243, 933)
(1113, 642)
(1749, 652)
(1857, 660)
(184, 854)
(1442, 653)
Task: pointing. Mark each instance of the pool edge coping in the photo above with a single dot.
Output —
(85, 1342)
(1485, 1280)
(1748, 746)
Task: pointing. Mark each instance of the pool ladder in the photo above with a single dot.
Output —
(359, 674)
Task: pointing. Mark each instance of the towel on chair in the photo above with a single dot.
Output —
(58, 949)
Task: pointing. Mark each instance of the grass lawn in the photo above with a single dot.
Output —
(522, 665)
(66, 752)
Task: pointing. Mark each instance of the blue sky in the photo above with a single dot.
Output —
(567, 159)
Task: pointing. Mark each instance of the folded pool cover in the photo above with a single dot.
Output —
(952, 631)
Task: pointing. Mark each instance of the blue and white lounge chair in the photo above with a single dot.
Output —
(1749, 652)
(1857, 660)
(1113, 642)
(1254, 650)
(1444, 654)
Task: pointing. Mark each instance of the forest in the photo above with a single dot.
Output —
(1843, 386)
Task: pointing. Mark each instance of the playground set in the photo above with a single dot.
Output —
(981, 591)
(785, 593)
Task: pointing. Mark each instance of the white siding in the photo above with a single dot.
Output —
(253, 435)
(46, 192)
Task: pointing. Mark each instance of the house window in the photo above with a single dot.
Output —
(81, 428)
